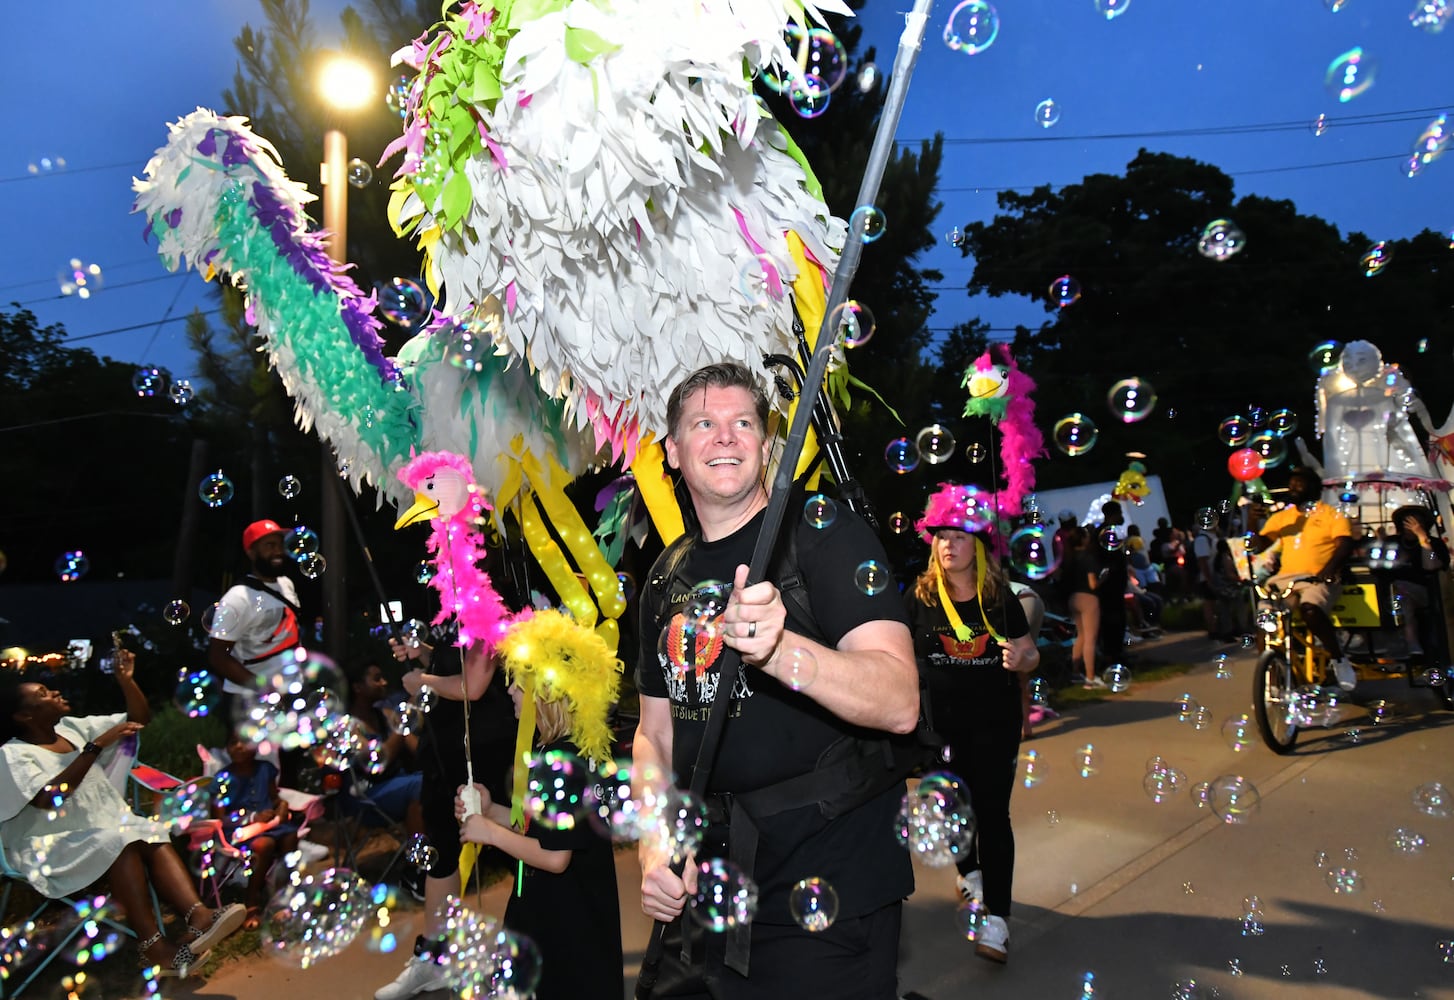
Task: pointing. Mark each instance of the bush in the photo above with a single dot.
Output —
(169, 742)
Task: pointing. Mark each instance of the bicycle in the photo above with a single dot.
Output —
(1287, 685)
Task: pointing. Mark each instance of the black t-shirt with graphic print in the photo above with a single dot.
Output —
(967, 680)
(774, 733)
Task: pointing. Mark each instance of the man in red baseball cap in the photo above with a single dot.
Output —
(255, 625)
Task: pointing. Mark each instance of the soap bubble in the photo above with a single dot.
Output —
(872, 577)
(1186, 989)
(976, 453)
(971, 916)
(220, 621)
(1270, 448)
(1201, 718)
(1234, 430)
(1047, 113)
(867, 78)
(1159, 785)
(935, 444)
(1039, 691)
(1205, 518)
(300, 541)
(1344, 881)
(1035, 552)
(181, 393)
(1381, 710)
(1405, 841)
(1235, 799)
(1432, 141)
(187, 803)
(71, 566)
(1282, 422)
(297, 706)
(360, 174)
(955, 237)
(289, 487)
(79, 278)
(852, 324)
(1186, 707)
(1117, 677)
(312, 565)
(1087, 760)
(1112, 9)
(46, 164)
(198, 693)
(148, 381)
(1350, 74)
(1064, 291)
(396, 95)
(935, 823)
(899, 522)
(1319, 125)
(867, 223)
(556, 793)
(800, 670)
(1201, 794)
(808, 96)
(820, 511)
(972, 27)
(401, 301)
(1033, 770)
(1131, 400)
(420, 853)
(1075, 434)
(815, 52)
(176, 612)
(677, 825)
(316, 918)
(1432, 799)
(813, 903)
(1375, 259)
(725, 897)
(902, 456)
(215, 490)
(1428, 15)
(1325, 357)
(1223, 671)
(1221, 240)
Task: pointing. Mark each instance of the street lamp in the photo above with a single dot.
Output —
(345, 84)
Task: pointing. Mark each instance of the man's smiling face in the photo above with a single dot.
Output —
(719, 445)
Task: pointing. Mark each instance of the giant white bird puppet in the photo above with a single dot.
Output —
(601, 185)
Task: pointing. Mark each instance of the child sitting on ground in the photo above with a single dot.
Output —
(567, 877)
(253, 817)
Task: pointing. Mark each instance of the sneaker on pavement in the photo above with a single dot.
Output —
(420, 976)
(1094, 683)
(993, 941)
(971, 886)
(1343, 671)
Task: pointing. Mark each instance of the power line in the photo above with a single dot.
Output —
(151, 259)
(125, 284)
(68, 169)
(139, 326)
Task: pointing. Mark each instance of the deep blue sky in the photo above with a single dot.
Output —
(99, 92)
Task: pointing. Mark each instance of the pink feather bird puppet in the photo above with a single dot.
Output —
(445, 492)
(1000, 391)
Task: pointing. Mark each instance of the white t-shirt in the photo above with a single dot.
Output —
(261, 625)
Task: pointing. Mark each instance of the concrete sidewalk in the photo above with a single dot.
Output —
(1143, 895)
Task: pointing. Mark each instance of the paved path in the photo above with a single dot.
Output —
(1144, 895)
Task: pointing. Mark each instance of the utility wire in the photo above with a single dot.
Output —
(125, 284)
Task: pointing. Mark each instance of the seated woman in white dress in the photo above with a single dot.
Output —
(64, 825)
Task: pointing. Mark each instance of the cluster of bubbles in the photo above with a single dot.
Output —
(725, 898)
(934, 820)
(80, 279)
(402, 301)
(1193, 713)
(482, 959)
(1428, 15)
(360, 174)
(1254, 920)
(298, 705)
(1221, 240)
(215, 489)
(189, 802)
(1161, 781)
(316, 917)
(819, 67)
(1350, 74)
(1311, 706)
(71, 566)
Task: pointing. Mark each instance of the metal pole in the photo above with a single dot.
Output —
(334, 541)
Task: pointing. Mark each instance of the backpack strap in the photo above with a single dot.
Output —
(253, 583)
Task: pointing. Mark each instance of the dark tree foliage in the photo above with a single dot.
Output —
(1213, 337)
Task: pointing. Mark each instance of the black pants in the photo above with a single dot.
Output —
(985, 752)
(1113, 626)
(855, 959)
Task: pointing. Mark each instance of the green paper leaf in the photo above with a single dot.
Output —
(487, 84)
(582, 45)
(455, 200)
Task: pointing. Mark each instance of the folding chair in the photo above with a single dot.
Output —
(51, 930)
(353, 831)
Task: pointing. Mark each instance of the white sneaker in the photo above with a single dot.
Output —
(420, 976)
(1343, 671)
(971, 886)
(993, 942)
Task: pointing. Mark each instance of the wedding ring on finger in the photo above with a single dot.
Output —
(751, 630)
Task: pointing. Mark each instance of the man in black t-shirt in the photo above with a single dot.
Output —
(792, 698)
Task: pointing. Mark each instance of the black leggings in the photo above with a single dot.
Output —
(984, 758)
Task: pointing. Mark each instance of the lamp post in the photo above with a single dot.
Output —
(345, 84)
